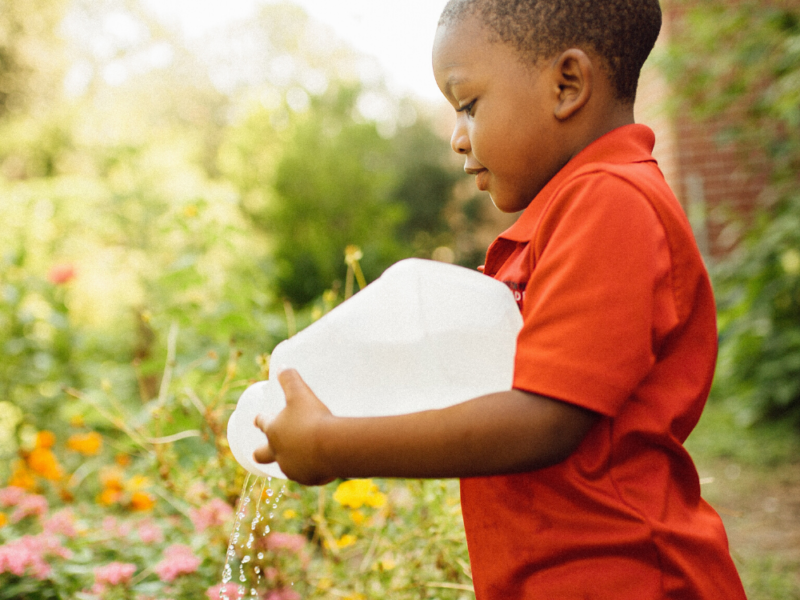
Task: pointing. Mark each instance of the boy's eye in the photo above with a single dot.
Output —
(467, 108)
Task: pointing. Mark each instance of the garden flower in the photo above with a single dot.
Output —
(45, 439)
(61, 522)
(116, 528)
(150, 533)
(213, 514)
(115, 573)
(356, 493)
(28, 506)
(43, 462)
(88, 444)
(286, 541)
(141, 501)
(178, 560)
(3, 519)
(21, 477)
(29, 555)
(61, 274)
(11, 495)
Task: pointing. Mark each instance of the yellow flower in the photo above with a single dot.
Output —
(45, 439)
(357, 516)
(88, 444)
(355, 597)
(324, 583)
(141, 501)
(137, 483)
(346, 540)
(289, 514)
(385, 564)
(77, 421)
(359, 492)
(3, 519)
(43, 462)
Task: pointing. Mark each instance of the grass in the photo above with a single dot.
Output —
(751, 476)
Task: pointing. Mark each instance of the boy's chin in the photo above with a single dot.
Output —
(508, 205)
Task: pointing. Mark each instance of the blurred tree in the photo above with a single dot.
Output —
(30, 52)
(741, 61)
(329, 179)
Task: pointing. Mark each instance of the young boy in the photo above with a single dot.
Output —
(575, 483)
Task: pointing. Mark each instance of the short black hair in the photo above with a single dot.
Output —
(621, 32)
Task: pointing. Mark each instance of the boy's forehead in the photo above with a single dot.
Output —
(457, 38)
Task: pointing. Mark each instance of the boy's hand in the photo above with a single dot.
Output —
(292, 436)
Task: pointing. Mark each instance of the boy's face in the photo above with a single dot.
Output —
(505, 126)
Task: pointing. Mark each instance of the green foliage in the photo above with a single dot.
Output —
(321, 180)
(741, 62)
(153, 223)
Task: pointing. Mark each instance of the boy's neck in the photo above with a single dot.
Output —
(613, 115)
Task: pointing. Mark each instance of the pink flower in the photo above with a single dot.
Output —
(30, 555)
(229, 589)
(178, 560)
(61, 274)
(116, 528)
(214, 513)
(286, 541)
(61, 523)
(150, 533)
(115, 573)
(11, 496)
(29, 505)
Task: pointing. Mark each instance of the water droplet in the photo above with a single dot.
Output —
(266, 529)
(257, 569)
(260, 556)
(271, 515)
(270, 492)
(246, 560)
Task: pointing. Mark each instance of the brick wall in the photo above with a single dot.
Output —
(718, 185)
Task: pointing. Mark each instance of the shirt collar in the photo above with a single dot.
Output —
(624, 145)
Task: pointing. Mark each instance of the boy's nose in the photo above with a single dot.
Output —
(459, 141)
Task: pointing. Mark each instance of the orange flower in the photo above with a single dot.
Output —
(3, 519)
(123, 460)
(22, 477)
(111, 478)
(141, 501)
(88, 444)
(45, 439)
(43, 462)
(109, 496)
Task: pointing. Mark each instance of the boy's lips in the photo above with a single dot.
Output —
(481, 176)
(482, 179)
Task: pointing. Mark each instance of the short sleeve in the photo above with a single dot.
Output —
(597, 291)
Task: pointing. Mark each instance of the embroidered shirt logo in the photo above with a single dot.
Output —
(518, 289)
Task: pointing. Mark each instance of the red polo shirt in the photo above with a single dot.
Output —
(619, 318)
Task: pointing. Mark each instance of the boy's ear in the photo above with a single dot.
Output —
(574, 74)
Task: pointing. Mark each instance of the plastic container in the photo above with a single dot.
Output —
(424, 335)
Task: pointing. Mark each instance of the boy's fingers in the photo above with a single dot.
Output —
(262, 422)
(292, 383)
(264, 455)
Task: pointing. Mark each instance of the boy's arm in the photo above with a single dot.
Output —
(501, 433)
